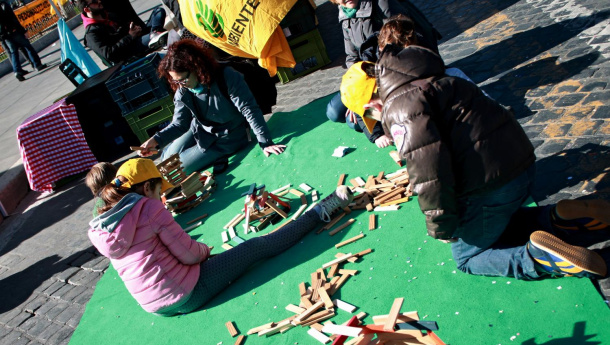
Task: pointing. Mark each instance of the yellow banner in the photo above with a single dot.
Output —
(246, 28)
(34, 15)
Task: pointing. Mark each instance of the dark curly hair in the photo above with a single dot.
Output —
(398, 30)
(185, 56)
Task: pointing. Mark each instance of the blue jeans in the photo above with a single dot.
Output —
(480, 249)
(12, 43)
(194, 158)
(335, 111)
(155, 23)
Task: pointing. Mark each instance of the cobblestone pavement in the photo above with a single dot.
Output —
(547, 59)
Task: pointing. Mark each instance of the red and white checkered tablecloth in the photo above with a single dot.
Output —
(53, 146)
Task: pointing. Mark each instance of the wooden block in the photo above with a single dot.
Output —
(196, 219)
(352, 259)
(380, 175)
(394, 202)
(237, 219)
(306, 301)
(328, 303)
(339, 283)
(231, 221)
(338, 260)
(305, 187)
(356, 182)
(302, 289)
(276, 329)
(193, 226)
(295, 309)
(396, 157)
(364, 252)
(334, 221)
(372, 222)
(403, 317)
(370, 182)
(342, 330)
(240, 340)
(261, 328)
(364, 339)
(386, 208)
(314, 195)
(344, 306)
(319, 336)
(383, 197)
(341, 180)
(225, 237)
(393, 315)
(232, 232)
(227, 246)
(318, 317)
(397, 173)
(296, 193)
(316, 326)
(349, 272)
(231, 328)
(333, 270)
(342, 226)
(238, 240)
(315, 276)
(309, 311)
(299, 212)
(276, 209)
(348, 241)
(303, 200)
(281, 189)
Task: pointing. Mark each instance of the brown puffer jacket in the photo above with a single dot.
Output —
(457, 142)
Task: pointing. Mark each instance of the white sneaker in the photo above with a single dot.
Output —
(157, 39)
(339, 199)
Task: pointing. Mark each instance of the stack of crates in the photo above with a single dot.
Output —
(144, 99)
(305, 42)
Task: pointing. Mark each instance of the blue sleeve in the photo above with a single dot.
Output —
(181, 122)
(241, 96)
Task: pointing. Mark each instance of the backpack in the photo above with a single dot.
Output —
(260, 83)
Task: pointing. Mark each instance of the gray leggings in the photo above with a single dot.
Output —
(223, 269)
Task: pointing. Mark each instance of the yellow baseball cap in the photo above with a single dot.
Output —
(139, 170)
(357, 88)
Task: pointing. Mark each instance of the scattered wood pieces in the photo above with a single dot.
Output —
(193, 226)
(391, 320)
(231, 328)
(261, 328)
(305, 187)
(396, 157)
(226, 246)
(341, 180)
(386, 208)
(314, 195)
(298, 213)
(342, 226)
(196, 219)
(342, 330)
(225, 237)
(281, 189)
(372, 222)
(338, 260)
(348, 241)
(319, 336)
(344, 306)
(240, 340)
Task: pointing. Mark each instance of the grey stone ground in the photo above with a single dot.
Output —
(548, 59)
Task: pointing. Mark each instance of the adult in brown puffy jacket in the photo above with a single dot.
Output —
(472, 166)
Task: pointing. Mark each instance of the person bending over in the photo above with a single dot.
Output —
(214, 111)
(472, 167)
(164, 269)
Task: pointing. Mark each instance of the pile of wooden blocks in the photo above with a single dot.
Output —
(194, 189)
(316, 306)
(381, 193)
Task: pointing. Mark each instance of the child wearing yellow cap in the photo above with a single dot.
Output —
(164, 269)
(472, 166)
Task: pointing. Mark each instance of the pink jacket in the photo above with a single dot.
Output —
(156, 259)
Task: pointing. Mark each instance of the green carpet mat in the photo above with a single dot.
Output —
(405, 263)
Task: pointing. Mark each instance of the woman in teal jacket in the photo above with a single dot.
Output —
(214, 111)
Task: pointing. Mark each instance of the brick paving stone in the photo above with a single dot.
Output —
(45, 285)
(554, 130)
(550, 147)
(35, 304)
(84, 297)
(594, 85)
(72, 294)
(56, 310)
(102, 265)
(83, 258)
(36, 326)
(569, 100)
(68, 313)
(87, 278)
(597, 97)
(4, 331)
(602, 112)
(63, 291)
(53, 287)
(10, 259)
(91, 264)
(544, 116)
(14, 338)
(19, 319)
(64, 275)
(34, 342)
(75, 319)
(8, 315)
(62, 334)
(50, 331)
(3, 271)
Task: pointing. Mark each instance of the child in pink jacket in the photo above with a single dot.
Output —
(163, 268)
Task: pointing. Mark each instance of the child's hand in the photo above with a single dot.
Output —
(383, 141)
(275, 149)
(350, 116)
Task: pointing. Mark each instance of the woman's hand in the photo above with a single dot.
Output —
(148, 148)
(350, 116)
(383, 141)
(275, 149)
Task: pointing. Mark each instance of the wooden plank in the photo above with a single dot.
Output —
(348, 241)
(193, 226)
(342, 226)
(299, 212)
(350, 272)
(231, 328)
(261, 328)
(276, 209)
(302, 289)
(386, 208)
(393, 315)
(342, 330)
(295, 309)
(281, 189)
(344, 306)
(314, 195)
(231, 221)
(341, 180)
(364, 252)
(296, 192)
(333, 270)
(306, 301)
(305, 187)
(319, 336)
(196, 219)
(232, 232)
(303, 200)
(338, 260)
(225, 237)
(334, 221)
(328, 303)
(226, 246)
(240, 340)
(372, 222)
(403, 317)
(395, 202)
(308, 311)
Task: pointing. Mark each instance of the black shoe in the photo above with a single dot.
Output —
(41, 67)
(220, 167)
(24, 72)
(19, 76)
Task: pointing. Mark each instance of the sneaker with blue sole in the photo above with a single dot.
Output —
(558, 258)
